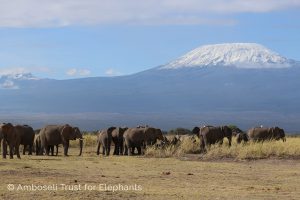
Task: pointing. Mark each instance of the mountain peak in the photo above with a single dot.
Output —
(241, 55)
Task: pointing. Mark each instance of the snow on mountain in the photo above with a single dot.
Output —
(241, 55)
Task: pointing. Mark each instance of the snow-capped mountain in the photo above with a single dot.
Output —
(241, 55)
(231, 89)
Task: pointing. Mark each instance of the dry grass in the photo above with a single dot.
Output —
(160, 178)
(270, 149)
(277, 149)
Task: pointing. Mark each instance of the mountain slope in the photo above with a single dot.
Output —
(164, 97)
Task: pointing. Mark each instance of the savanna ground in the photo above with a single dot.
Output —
(252, 171)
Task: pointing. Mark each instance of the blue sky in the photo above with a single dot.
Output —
(73, 38)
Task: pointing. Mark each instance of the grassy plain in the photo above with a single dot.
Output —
(184, 176)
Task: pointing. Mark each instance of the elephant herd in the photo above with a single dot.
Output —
(212, 135)
(125, 140)
(51, 135)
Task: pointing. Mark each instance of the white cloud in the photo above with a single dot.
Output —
(12, 71)
(56, 13)
(71, 72)
(8, 84)
(84, 72)
(78, 72)
(22, 70)
(112, 72)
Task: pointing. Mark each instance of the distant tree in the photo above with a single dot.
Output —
(180, 131)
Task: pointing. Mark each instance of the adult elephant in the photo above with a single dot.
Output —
(104, 139)
(27, 137)
(211, 135)
(118, 140)
(11, 138)
(242, 137)
(259, 134)
(140, 137)
(59, 134)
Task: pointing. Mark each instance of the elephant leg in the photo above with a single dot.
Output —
(129, 150)
(56, 150)
(116, 150)
(126, 150)
(11, 151)
(30, 149)
(47, 150)
(18, 150)
(121, 148)
(229, 141)
(4, 149)
(108, 150)
(206, 144)
(24, 149)
(42, 148)
(66, 148)
(202, 145)
(103, 150)
(139, 149)
(98, 148)
(37, 148)
(52, 150)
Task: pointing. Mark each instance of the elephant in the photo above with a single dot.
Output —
(38, 145)
(162, 143)
(211, 135)
(242, 137)
(259, 134)
(104, 139)
(27, 137)
(151, 136)
(52, 135)
(118, 140)
(11, 138)
(140, 137)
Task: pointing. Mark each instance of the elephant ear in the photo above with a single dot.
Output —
(8, 128)
(66, 132)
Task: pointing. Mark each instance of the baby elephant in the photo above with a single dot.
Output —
(104, 139)
(242, 137)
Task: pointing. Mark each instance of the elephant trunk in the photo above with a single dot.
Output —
(80, 146)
